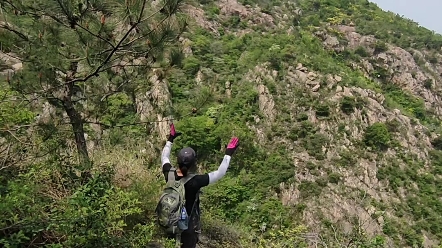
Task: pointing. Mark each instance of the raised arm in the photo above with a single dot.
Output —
(165, 155)
(214, 176)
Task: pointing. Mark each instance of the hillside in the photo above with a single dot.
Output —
(337, 105)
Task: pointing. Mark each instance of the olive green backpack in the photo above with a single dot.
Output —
(171, 203)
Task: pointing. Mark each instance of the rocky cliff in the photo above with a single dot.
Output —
(338, 107)
(321, 116)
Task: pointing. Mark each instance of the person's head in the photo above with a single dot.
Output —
(186, 159)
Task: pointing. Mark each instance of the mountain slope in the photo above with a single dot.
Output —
(337, 105)
(350, 95)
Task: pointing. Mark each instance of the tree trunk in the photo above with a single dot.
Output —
(77, 127)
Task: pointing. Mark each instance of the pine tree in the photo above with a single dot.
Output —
(80, 51)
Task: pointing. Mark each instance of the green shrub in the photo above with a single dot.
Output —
(96, 214)
(191, 65)
(348, 104)
(302, 117)
(200, 136)
(437, 143)
(334, 178)
(433, 59)
(380, 47)
(361, 51)
(428, 84)
(393, 125)
(309, 189)
(322, 181)
(314, 143)
(323, 110)
(347, 159)
(380, 72)
(302, 130)
(377, 136)
(409, 103)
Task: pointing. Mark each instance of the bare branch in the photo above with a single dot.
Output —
(21, 35)
(15, 137)
(5, 158)
(96, 35)
(15, 128)
(147, 18)
(97, 70)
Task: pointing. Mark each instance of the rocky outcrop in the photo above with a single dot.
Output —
(260, 75)
(355, 39)
(187, 49)
(412, 137)
(11, 61)
(254, 15)
(301, 75)
(199, 16)
(412, 72)
(330, 41)
(228, 8)
(152, 104)
(266, 103)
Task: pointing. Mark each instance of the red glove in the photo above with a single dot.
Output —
(173, 134)
(231, 147)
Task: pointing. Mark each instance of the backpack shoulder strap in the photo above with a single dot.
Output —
(185, 179)
(171, 175)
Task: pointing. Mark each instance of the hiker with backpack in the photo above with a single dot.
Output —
(178, 209)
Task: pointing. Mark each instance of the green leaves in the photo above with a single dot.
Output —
(349, 104)
(199, 133)
(13, 112)
(377, 136)
(191, 65)
(119, 110)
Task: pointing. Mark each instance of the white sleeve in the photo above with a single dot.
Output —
(214, 176)
(166, 153)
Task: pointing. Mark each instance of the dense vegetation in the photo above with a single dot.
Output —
(65, 184)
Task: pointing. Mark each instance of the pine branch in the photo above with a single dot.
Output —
(21, 35)
(151, 31)
(96, 35)
(56, 19)
(17, 138)
(71, 19)
(112, 92)
(36, 14)
(97, 70)
(109, 55)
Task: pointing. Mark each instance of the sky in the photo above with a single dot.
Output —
(427, 13)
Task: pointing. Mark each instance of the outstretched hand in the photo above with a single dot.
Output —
(173, 133)
(231, 147)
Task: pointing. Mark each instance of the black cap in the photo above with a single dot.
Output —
(187, 157)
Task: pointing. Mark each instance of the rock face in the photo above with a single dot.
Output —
(266, 104)
(199, 17)
(153, 103)
(254, 15)
(338, 207)
(409, 71)
(229, 8)
(11, 61)
(412, 137)
(300, 74)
